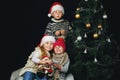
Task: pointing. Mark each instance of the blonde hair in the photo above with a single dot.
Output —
(44, 53)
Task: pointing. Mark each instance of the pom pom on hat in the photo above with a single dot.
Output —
(60, 42)
(49, 15)
(56, 6)
(47, 38)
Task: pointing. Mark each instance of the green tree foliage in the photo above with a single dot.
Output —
(94, 53)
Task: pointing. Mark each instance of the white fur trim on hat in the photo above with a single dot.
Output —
(46, 39)
(57, 7)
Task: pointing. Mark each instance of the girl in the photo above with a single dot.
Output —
(61, 61)
(29, 71)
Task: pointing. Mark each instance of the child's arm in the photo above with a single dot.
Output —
(48, 29)
(65, 67)
(57, 66)
(36, 56)
(36, 59)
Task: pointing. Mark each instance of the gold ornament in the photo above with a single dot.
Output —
(88, 25)
(78, 9)
(95, 35)
(99, 26)
(77, 16)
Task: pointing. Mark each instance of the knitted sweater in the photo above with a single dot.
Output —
(55, 25)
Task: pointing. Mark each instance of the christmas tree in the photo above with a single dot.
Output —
(94, 53)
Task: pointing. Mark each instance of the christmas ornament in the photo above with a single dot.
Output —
(101, 6)
(86, 0)
(85, 35)
(104, 16)
(85, 51)
(99, 26)
(95, 35)
(95, 59)
(78, 9)
(108, 40)
(99, 32)
(77, 16)
(101, 29)
(79, 38)
(88, 25)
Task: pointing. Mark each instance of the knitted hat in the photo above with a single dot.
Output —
(60, 42)
(56, 6)
(47, 38)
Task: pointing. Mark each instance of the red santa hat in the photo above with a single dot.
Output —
(60, 42)
(56, 6)
(45, 58)
(47, 38)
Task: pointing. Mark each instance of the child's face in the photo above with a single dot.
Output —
(48, 46)
(58, 50)
(57, 14)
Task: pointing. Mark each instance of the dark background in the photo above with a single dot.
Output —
(23, 23)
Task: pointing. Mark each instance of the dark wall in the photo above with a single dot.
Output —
(23, 23)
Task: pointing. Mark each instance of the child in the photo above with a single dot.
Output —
(57, 27)
(60, 60)
(31, 68)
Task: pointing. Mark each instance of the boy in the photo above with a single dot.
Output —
(57, 27)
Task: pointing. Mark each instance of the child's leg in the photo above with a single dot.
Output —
(28, 75)
(44, 78)
(41, 78)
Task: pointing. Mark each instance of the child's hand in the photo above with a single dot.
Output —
(57, 33)
(49, 61)
(46, 60)
(42, 62)
(40, 67)
(62, 32)
(57, 66)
